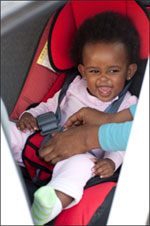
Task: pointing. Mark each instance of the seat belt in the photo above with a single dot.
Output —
(49, 122)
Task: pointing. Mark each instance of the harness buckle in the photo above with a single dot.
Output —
(48, 123)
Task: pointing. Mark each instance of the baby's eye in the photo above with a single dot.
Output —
(114, 71)
(94, 71)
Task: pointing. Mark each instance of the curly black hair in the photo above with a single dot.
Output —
(108, 27)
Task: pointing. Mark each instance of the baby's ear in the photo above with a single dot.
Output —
(131, 71)
(81, 69)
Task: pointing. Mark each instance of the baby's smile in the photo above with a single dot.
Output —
(104, 91)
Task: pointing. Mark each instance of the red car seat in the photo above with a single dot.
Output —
(95, 204)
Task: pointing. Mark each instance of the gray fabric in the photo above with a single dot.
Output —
(17, 50)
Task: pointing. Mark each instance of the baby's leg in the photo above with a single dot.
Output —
(71, 175)
(66, 187)
(18, 140)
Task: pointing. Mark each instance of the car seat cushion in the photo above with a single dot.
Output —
(83, 212)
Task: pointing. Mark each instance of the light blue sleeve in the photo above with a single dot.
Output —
(114, 136)
(133, 109)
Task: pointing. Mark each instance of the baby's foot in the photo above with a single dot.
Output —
(44, 202)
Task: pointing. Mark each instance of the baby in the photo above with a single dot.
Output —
(105, 50)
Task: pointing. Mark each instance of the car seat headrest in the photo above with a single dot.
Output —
(68, 19)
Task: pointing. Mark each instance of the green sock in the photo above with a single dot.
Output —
(45, 200)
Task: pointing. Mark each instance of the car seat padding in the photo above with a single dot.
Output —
(82, 213)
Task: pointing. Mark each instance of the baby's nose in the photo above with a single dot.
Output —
(103, 78)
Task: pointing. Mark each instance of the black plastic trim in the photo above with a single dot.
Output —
(143, 7)
(100, 217)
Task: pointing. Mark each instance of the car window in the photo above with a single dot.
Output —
(8, 7)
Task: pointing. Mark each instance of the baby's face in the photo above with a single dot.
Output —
(105, 68)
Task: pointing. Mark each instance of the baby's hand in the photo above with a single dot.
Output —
(27, 121)
(103, 167)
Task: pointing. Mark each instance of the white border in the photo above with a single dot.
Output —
(14, 204)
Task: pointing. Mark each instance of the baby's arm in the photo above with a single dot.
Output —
(103, 167)
(28, 119)
(117, 157)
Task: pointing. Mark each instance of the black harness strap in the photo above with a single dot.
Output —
(49, 122)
